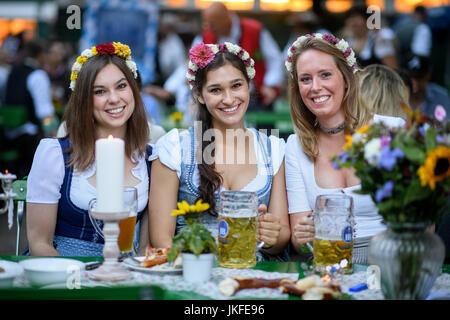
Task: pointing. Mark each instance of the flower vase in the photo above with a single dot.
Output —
(410, 259)
(197, 269)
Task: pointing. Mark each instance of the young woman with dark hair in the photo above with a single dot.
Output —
(219, 153)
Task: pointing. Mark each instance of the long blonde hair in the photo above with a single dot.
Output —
(383, 90)
(305, 122)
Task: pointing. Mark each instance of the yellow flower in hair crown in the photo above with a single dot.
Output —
(115, 48)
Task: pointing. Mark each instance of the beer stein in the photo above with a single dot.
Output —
(238, 214)
(334, 231)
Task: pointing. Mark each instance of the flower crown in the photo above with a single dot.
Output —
(202, 54)
(117, 48)
(341, 44)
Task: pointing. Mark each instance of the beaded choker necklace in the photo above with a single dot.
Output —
(334, 130)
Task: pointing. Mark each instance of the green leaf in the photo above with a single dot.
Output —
(175, 250)
(414, 154)
(430, 139)
(415, 192)
(196, 245)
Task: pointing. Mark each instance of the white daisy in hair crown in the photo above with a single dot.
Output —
(341, 44)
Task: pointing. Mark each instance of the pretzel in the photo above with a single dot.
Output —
(154, 256)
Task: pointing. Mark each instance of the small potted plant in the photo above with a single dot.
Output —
(195, 242)
(406, 171)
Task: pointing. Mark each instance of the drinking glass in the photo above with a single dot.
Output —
(238, 213)
(334, 231)
(126, 226)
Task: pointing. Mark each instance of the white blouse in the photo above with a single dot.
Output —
(47, 175)
(168, 150)
(302, 188)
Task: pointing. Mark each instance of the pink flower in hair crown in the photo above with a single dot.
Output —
(201, 55)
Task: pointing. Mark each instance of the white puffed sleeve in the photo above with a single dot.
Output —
(278, 150)
(168, 150)
(47, 173)
(295, 184)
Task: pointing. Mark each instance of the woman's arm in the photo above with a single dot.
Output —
(41, 222)
(273, 224)
(143, 234)
(162, 200)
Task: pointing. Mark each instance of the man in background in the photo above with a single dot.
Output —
(28, 85)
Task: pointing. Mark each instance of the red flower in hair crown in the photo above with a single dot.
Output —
(202, 54)
(115, 48)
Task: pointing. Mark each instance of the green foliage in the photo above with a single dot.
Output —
(387, 161)
(194, 237)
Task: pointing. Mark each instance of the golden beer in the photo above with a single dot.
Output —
(237, 242)
(126, 234)
(330, 252)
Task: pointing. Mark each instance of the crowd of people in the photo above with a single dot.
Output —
(234, 66)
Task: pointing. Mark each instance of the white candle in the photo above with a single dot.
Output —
(109, 157)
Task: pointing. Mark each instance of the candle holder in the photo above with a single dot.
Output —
(111, 269)
(8, 195)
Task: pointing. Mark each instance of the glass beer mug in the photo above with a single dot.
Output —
(334, 231)
(238, 214)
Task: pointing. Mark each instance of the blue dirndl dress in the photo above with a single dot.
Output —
(74, 233)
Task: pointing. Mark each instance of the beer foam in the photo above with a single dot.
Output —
(242, 213)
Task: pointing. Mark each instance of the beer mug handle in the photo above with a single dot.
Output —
(95, 223)
(259, 244)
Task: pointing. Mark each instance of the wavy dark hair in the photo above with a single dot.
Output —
(210, 179)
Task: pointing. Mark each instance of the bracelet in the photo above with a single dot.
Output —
(265, 246)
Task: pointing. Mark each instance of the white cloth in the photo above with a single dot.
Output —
(422, 40)
(302, 188)
(270, 51)
(389, 121)
(168, 150)
(171, 54)
(47, 175)
(381, 42)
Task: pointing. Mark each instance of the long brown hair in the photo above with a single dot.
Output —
(80, 119)
(210, 179)
(305, 122)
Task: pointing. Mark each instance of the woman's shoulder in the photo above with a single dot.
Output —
(49, 145)
(292, 139)
(294, 149)
(273, 138)
(169, 138)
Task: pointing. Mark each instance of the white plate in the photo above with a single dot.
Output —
(161, 269)
(12, 270)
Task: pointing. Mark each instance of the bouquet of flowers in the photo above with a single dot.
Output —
(194, 237)
(405, 170)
